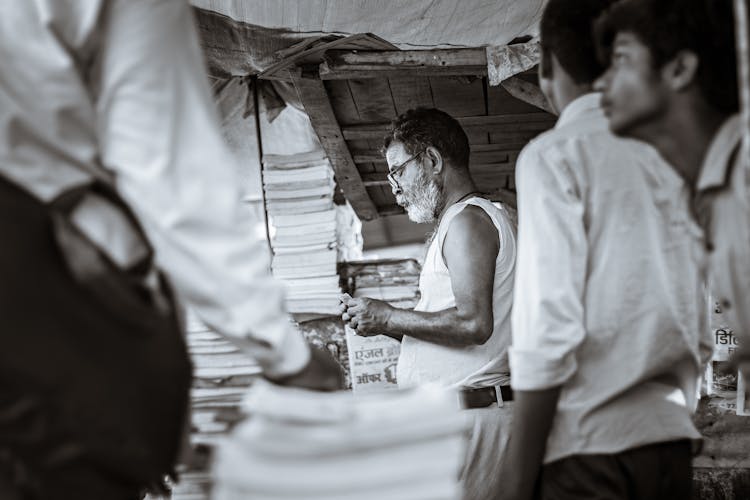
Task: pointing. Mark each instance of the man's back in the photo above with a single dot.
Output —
(47, 111)
(611, 304)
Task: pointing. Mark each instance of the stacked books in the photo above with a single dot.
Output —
(299, 201)
(373, 360)
(403, 445)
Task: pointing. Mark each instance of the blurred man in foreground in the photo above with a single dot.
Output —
(672, 82)
(115, 181)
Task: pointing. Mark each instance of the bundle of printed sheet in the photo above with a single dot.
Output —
(296, 444)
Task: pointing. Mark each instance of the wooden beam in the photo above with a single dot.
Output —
(341, 64)
(391, 210)
(507, 123)
(503, 195)
(314, 98)
(492, 156)
(527, 92)
(311, 52)
(497, 147)
(476, 169)
(376, 179)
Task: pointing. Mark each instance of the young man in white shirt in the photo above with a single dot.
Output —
(110, 146)
(672, 82)
(608, 307)
(458, 334)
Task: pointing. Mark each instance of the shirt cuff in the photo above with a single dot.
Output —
(534, 371)
(291, 355)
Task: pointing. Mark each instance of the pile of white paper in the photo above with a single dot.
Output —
(299, 201)
(394, 281)
(221, 378)
(399, 445)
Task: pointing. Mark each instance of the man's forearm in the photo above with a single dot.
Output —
(445, 327)
(533, 414)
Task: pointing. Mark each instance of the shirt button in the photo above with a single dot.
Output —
(709, 246)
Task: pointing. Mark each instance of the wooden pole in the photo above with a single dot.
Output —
(256, 103)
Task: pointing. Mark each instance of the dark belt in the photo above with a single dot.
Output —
(484, 397)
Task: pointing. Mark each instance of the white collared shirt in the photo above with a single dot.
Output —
(609, 302)
(723, 205)
(117, 90)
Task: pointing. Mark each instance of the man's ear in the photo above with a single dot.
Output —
(433, 155)
(681, 71)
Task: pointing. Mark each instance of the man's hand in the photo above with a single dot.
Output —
(533, 413)
(365, 316)
(322, 373)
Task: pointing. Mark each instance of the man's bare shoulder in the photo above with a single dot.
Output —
(472, 224)
(471, 237)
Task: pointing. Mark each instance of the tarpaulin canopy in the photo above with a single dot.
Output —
(271, 25)
(406, 24)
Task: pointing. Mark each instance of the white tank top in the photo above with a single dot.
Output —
(472, 366)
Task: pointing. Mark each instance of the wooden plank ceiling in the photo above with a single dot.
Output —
(352, 95)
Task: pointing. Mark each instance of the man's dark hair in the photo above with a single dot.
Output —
(422, 127)
(665, 27)
(566, 31)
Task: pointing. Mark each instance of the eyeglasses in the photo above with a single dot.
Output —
(391, 176)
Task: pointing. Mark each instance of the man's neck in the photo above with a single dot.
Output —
(573, 93)
(684, 138)
(456, 188)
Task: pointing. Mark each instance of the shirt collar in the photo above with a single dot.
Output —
(579, 106)
(716, 162)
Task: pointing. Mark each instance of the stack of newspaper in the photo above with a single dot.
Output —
(373, 360)
(402, 445)
(299, 201)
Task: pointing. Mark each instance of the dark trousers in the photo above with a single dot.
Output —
(74, 398)
(661, 471)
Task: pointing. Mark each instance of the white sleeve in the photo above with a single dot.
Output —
(548, 314)
(159, 132)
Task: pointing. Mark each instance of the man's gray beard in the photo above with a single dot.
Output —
(425, 200)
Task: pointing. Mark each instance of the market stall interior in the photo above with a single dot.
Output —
(301, 85)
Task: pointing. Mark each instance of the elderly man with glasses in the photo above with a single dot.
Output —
(459, 332)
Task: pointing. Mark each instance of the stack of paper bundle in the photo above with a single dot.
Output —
(221, 378)
(403, 445)
(394, 281)
(373, 360)
(299, 201)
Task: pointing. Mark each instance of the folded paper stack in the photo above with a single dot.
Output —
(402, 445)
(299, 201)
(222, 376)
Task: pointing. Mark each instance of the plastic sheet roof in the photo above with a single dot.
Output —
(409, 24)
